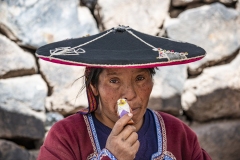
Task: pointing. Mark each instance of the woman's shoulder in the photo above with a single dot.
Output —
(72, 119)
(174, 125)
(68, 139)
(170, 119)
(181, 139)
(71, 123)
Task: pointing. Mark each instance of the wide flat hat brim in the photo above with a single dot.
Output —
(114, 48)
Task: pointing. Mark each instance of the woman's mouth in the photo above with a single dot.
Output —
(135, 110)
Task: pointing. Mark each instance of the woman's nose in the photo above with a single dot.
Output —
(129, 92)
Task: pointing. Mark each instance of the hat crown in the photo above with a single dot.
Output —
(121, 28)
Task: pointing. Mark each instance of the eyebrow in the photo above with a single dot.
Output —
(112, 73)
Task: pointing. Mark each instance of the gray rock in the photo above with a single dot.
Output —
(36, 23)
(227, 2)
(194, 5)
(238, 7)
(89, 3)
(15, 125)
(87, 21)
(167, 90)
(65, 95)
(11, 151)
(143, 15)
(14, 61)
(221, 139)
(238, 20)
(202, 26)
(25, 95)
(178, 3)
(214, 94)
(33, 154)
(51, 118)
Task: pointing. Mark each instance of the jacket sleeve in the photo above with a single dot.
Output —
(64, 141)
(182, 141)
(67, 140)
(56, 146)
(52, 154)
(205, 155)
(198, 152)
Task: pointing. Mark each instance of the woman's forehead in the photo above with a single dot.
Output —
(119, 71)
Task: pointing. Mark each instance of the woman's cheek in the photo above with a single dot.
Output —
(147, 86)
(109, 91)
(109, 94)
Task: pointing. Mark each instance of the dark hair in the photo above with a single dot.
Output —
(93, 75)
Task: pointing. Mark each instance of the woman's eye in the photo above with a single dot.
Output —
(140, 78)
(114, 81)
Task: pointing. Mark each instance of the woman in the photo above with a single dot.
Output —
(115, 71)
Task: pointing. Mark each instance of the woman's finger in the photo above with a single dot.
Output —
(120, 124)
(131, 140)
(127, 131)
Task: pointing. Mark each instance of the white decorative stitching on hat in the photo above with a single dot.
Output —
(171, 55)
(120, 28)
(72, 51)
(66, 50)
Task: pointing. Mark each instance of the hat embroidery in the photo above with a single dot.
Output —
(74, 50)
(66, 50)
(170, 55)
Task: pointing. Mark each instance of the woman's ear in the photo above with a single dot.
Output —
(94, 89)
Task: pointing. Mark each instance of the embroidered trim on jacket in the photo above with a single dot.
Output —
(90, 133)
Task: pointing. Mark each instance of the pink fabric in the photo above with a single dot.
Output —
(160, 64)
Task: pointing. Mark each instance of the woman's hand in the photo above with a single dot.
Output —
(123, 140)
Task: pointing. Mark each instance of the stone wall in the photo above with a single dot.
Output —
(34, 94)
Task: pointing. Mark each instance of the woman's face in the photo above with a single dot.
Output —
(135, 85)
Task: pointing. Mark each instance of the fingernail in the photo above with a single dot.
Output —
(130, 114)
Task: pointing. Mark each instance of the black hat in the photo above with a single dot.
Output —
(121, 47)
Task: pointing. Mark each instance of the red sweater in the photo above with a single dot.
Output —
(72, 139)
